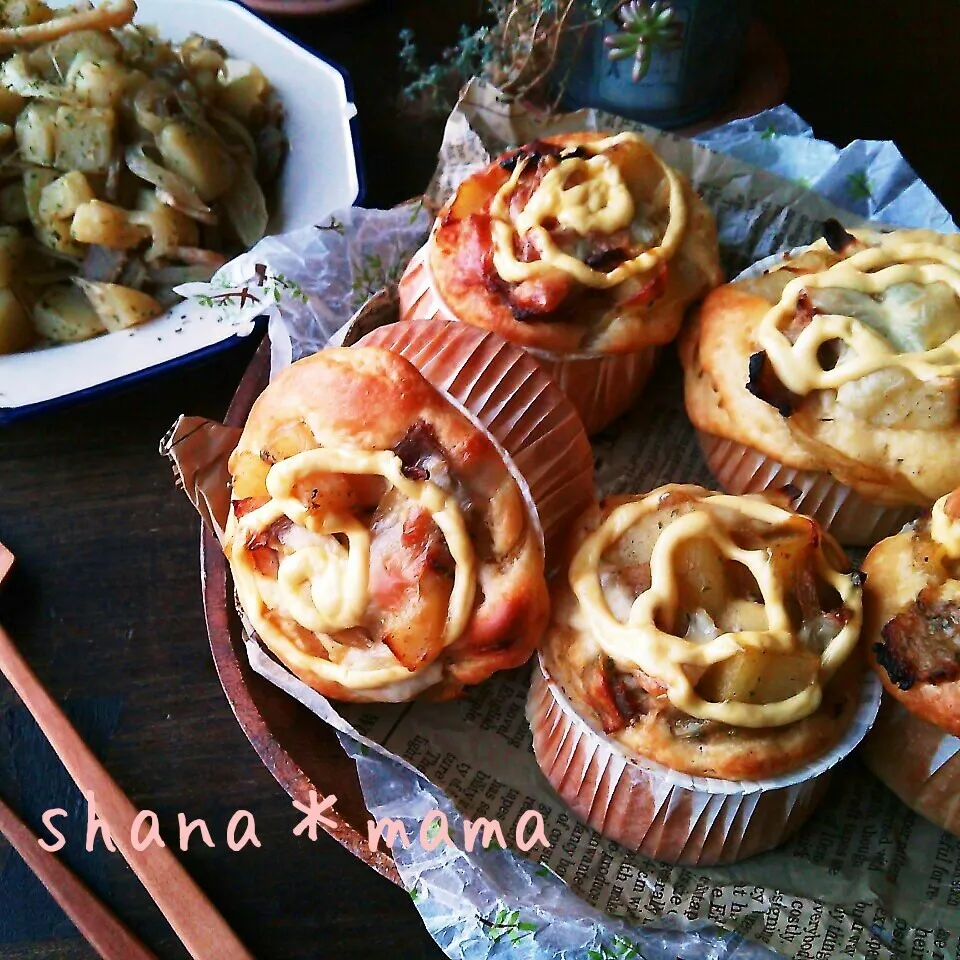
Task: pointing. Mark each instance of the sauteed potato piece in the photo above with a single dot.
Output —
(136, 164)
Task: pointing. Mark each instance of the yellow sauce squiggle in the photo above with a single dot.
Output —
(324, 585)
(601, 202)
(640, 644)
(869, 271)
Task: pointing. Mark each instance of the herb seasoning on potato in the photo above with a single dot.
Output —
(129, 165)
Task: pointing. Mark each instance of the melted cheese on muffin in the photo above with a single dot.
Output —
(323, 584)
(679, 662)
(904, 314)
(599, 200)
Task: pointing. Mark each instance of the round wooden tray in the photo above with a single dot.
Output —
(296, 746)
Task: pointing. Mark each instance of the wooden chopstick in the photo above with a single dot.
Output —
(193, 917)
(102, 930)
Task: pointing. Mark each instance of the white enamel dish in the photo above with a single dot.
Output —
(321, 174)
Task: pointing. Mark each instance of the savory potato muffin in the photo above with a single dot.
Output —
(379, 544)
(713, 634)
(912, 639)
(700, 678)
(836, 371)
(579, 247)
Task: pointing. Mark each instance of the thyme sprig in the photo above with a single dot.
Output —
(518, 49)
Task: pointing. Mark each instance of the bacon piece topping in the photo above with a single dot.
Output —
(921, 644)
(540, 295)
(837, 238)
(417, 448)
(765, 385)
(608, 692)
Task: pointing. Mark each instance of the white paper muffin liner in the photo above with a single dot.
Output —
(600, 386)
(507, 395)
(918, 761)
(850, 517)
(668, 815)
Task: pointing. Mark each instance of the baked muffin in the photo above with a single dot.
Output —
(912, 638)
(705, 635)
(502, 389)
(837, 372)
(380, 546)
(585, 248)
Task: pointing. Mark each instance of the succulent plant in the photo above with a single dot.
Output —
(645, 27)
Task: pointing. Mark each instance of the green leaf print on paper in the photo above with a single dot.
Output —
(621, 949)
(506, 924)
(372, 274)
(415, 209)
(860, 186)
(267, 286)
(418, 892)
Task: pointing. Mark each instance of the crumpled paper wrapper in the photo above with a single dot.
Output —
(865, 878)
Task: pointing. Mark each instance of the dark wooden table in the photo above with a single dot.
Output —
(105, 602)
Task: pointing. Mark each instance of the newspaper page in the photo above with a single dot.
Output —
(865, 877)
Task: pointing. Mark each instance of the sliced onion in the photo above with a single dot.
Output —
(16, 77)
(134, 274)
(817, 633)
(174, 276)
(222, 120)
(130, 39)
(246, 207)
(103, 263)
(114, 169)
(701, 627)
(197, 257)
(149, 108)
(193, 110)
(172, 189)
(618, 595)
(689, 727)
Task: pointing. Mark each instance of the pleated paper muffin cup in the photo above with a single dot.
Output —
(507, 395)
(600, 386)
(918, 761)
(667, 815)
(851, 518)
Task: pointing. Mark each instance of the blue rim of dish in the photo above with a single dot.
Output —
(11, 414)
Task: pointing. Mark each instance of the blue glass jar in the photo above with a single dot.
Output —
(682, 85)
